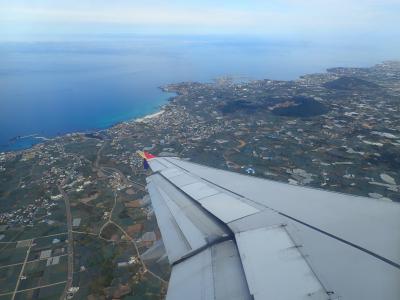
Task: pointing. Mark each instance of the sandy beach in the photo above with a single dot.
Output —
(148, 117)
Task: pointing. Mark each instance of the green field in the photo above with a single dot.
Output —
(12, 255)
(38, 274)
(48, 293)
(8, 278)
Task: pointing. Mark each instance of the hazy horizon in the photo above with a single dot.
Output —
(305, 20)
(57, 55)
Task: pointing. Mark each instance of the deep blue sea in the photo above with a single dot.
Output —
(49, 88)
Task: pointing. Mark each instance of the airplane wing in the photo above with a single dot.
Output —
(232, 236)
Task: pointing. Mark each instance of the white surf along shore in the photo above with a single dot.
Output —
(44, 139)
(149, 117)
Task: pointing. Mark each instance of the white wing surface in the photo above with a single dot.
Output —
(231, 236)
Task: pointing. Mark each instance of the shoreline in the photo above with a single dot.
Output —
(159, 112)
(148, 117)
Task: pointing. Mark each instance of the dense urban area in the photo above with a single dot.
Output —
(76, 221)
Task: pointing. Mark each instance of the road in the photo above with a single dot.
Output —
(98, 167)
(34, 288)
(110, 221)
(39, 237)
(29, 261)
(145, 269)
(110, 170)
(98, 156)
(22, 270)
(70, 241)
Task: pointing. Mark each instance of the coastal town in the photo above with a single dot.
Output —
(76, 221)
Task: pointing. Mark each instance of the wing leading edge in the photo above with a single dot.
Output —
(231, 236)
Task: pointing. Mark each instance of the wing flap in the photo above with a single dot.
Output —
(352, 218)
(184, 226)
(217, 205)
(290, 242)
(175, 242)
(272, 261)
(192, 234)
(214, 273)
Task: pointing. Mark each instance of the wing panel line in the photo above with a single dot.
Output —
(388, 261)
(198, 205)
(384, 259)
(230, 236)
(202, 248)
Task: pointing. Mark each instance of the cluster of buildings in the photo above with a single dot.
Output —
(349, 148)
(38, 211)
(351, 145)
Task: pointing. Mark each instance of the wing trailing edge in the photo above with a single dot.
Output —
(231, 236)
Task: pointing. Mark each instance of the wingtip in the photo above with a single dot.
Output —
(149, 155)
(146, 155)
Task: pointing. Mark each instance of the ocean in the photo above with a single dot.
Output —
(50, 88)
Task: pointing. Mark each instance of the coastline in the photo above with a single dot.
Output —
(143, 119)
(149, 117)
(158, 111)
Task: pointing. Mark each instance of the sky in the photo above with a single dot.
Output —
(27, 19)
